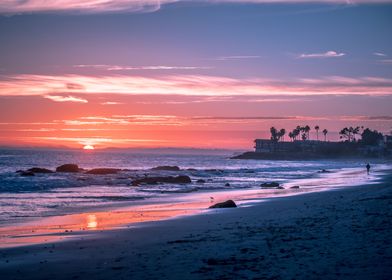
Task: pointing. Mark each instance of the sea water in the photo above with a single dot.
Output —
(25, 198)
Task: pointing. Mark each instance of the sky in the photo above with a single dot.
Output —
(203, 74)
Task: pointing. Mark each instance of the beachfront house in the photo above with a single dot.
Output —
(270, 146)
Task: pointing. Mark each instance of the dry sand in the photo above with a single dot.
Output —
(341, 234)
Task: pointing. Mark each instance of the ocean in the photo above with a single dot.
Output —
(26, 198)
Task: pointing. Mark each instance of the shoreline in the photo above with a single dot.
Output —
(86, 222)
(343, 233)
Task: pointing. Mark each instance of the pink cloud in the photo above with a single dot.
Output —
(86, 6)
(111, 6)
(55, 87)
(134, 68)
(58, 98)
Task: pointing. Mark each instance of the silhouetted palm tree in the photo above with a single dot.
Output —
(317, 129)
(274, 134)
(306, 130)
(325, 132)
(349, 133)
(297, 132)
(291, 135)
(282, 132)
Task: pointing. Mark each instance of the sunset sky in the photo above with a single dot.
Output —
(209, 74)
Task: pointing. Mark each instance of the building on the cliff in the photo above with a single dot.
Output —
(269, 146)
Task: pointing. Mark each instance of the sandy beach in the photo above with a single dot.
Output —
(338, 234)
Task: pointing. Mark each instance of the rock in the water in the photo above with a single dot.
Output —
(68, 168)
(214, 170)
(103, 171)
(200, 181)
(39, 170)
(294, 187)
(270, 185)
(227, 185)
(192, 169)
(26, 173)
(227, 204)
(155, 180)
(324, 171)
(166, 168)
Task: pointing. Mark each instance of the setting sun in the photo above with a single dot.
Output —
(88, 147)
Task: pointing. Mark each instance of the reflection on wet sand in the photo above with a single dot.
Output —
(92, 221)
(58, 228)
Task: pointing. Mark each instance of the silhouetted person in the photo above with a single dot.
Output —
(368, 168)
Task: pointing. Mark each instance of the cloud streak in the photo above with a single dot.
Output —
(133, 68)
(134, 6)
(57, 88)
(386, 61)
(379, 54)
(328, 54)
(58, 98)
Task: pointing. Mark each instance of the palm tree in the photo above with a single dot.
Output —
(291, 135)
(306, 130)
(274, 134)
(355, 131)
(282, 132)
(349, 133)
(325, 132)
(317, 129)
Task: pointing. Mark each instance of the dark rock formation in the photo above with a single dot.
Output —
(156, 180)
(200, 181)
(39, 170)
(227, 185)
(324, 171)
(294, 187)
(270, 185)
(103, 171)
(227, 204)
(26, 173)
(166, 168)
(192, 169)
(214, 170)
(68, 168)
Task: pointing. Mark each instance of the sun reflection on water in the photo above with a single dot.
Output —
(92, 222)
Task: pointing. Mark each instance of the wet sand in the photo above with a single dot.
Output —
(339, 234)
(86, 224)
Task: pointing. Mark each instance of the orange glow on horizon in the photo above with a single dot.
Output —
(88, 147)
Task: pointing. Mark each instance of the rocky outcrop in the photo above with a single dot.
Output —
(72, 168)
(294, 187)
(227, 204)
(227, 185)
(200, 181)
(166, 168)
(39, 170)
(25, 173)
(103, 171)
(156, 180)
(270, 185)
(324, 171)
(192, 169)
